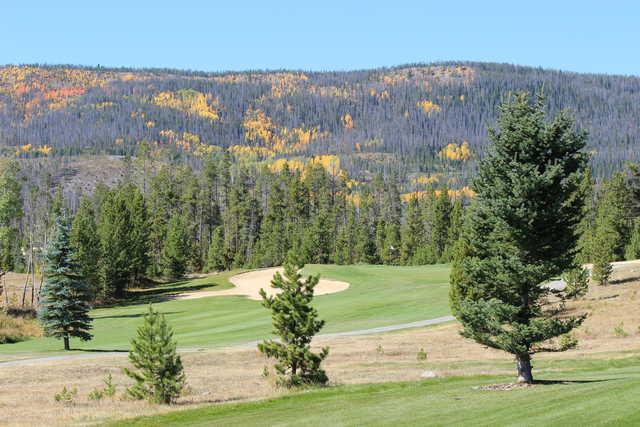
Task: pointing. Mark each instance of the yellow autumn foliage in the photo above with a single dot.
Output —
(456, 152)
(190, 101)
(347, 121)
(429, 107)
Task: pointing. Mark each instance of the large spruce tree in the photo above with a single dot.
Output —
(520, 231)
(65, 296)
(295, 321)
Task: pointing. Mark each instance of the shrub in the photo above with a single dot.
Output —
(66, 395)
(18, 328)
(619, 331)
(577, 281)
(109, 390)
(567, 342)
(422, 355)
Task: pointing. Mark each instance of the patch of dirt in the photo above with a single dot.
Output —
(249, 285)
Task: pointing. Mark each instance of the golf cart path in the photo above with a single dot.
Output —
(372, 331)
(249, 284)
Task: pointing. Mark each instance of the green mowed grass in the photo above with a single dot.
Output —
(377, 296)
(594, 393)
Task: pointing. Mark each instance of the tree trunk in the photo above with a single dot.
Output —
(523, 362)
(66, 342)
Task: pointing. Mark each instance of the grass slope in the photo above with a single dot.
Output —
(378, 296)
(595, 393)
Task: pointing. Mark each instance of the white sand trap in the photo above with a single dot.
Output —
(249, 285)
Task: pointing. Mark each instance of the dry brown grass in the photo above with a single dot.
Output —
(235, 374)
(18, 328)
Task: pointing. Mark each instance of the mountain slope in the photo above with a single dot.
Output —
(425, 118)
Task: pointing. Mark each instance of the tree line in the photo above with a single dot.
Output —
(172, 219)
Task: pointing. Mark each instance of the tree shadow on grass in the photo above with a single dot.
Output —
(160, 294)
(133, 316)
(569, 382)
(98, 350)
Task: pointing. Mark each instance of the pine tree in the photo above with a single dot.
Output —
(632, 251)
(159, 375)
(10, 213)
(65, 296)
(139, 238)
(586, 228)
(86, 244)
(520, 231)
(441, 223)
(273, 245)
(216, 258)
(115, 231)
(177, 248)
(297, 364)
(391, 245)
(613, 218)
(412, 232)
(603, 252)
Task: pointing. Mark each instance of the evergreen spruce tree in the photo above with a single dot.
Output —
(158, 374)
(65, 296)
(520, 231)
(86, 244)
(295, 322)
(177, 248)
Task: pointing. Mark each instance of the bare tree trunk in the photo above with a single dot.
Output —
(26, 284)
(66, 341)
(5, 290)
(523, 363)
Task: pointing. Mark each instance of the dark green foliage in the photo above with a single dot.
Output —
(520, 231)
(295, 322)
(412, 233)
(632, 251)
(612, 222)
(123, 236)
(86, 244)
(216, 258)
(65, 296)
(158, 374)
(176, 250)
(10, 213)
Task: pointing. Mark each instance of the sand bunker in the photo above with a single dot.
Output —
(249, 285)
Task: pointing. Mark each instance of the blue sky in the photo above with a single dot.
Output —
(588, 36)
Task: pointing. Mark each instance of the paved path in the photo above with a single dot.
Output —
(372, 331)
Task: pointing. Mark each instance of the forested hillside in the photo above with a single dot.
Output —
(417, 119)
(165, 172)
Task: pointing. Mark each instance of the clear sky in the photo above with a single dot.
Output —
(590, 36)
